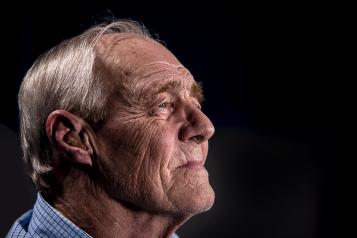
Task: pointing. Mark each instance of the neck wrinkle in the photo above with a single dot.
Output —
(89, 207)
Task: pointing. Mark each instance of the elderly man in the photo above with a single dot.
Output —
(113, 137)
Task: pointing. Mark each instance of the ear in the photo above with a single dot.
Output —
(71, 135)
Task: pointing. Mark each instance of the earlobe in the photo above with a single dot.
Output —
(69, 134)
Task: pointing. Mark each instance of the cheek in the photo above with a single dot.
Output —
(162, 144)
(154, 174)
(124, 148)
(137, 151)
(161, 150)
(136, 162)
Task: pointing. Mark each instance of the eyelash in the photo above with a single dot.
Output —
(172, 105)
(166, 105)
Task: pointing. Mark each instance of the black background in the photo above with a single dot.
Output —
(273, 80)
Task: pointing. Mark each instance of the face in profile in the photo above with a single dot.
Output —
(154, 143)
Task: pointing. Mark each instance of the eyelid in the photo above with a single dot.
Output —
(155, 101)
(162, 105)
(164, 98)
(166, 104)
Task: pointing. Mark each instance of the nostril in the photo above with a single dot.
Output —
(198, 138)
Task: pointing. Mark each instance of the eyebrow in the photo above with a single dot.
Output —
(195, 90)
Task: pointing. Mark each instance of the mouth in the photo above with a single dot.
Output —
(193, 165)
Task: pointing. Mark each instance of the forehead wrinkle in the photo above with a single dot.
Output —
(106, 44)
(157, 71)
(149, 92)
(124, 51)
(163, 64)
(172, 70)
(146, 71)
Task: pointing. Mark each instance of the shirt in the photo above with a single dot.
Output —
(45, 221)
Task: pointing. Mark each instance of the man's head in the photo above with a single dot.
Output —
(125, 107)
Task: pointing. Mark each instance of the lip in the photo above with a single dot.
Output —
(194, 165)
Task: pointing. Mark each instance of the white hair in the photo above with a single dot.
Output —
(64, 78)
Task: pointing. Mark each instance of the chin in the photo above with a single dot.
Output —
(201, 201)
(196, 201)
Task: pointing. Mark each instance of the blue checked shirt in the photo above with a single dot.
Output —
(45, 221)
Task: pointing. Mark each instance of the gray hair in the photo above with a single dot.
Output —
(64, 78)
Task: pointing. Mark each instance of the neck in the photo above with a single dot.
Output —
(93, 210)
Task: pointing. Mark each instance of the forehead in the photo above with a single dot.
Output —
(145, 62)
(147, 66)
(128, 52)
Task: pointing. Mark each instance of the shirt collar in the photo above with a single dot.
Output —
(48, 222)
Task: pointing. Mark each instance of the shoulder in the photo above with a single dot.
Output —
(20, 227)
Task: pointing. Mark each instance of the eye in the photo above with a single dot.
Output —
(163, 106)
(166, 105)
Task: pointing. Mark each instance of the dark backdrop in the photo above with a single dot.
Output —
(271, 76)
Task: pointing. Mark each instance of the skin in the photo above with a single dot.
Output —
(141, 172)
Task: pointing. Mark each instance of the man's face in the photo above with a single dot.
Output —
(154, 144)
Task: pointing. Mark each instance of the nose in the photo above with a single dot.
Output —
(198, 127)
